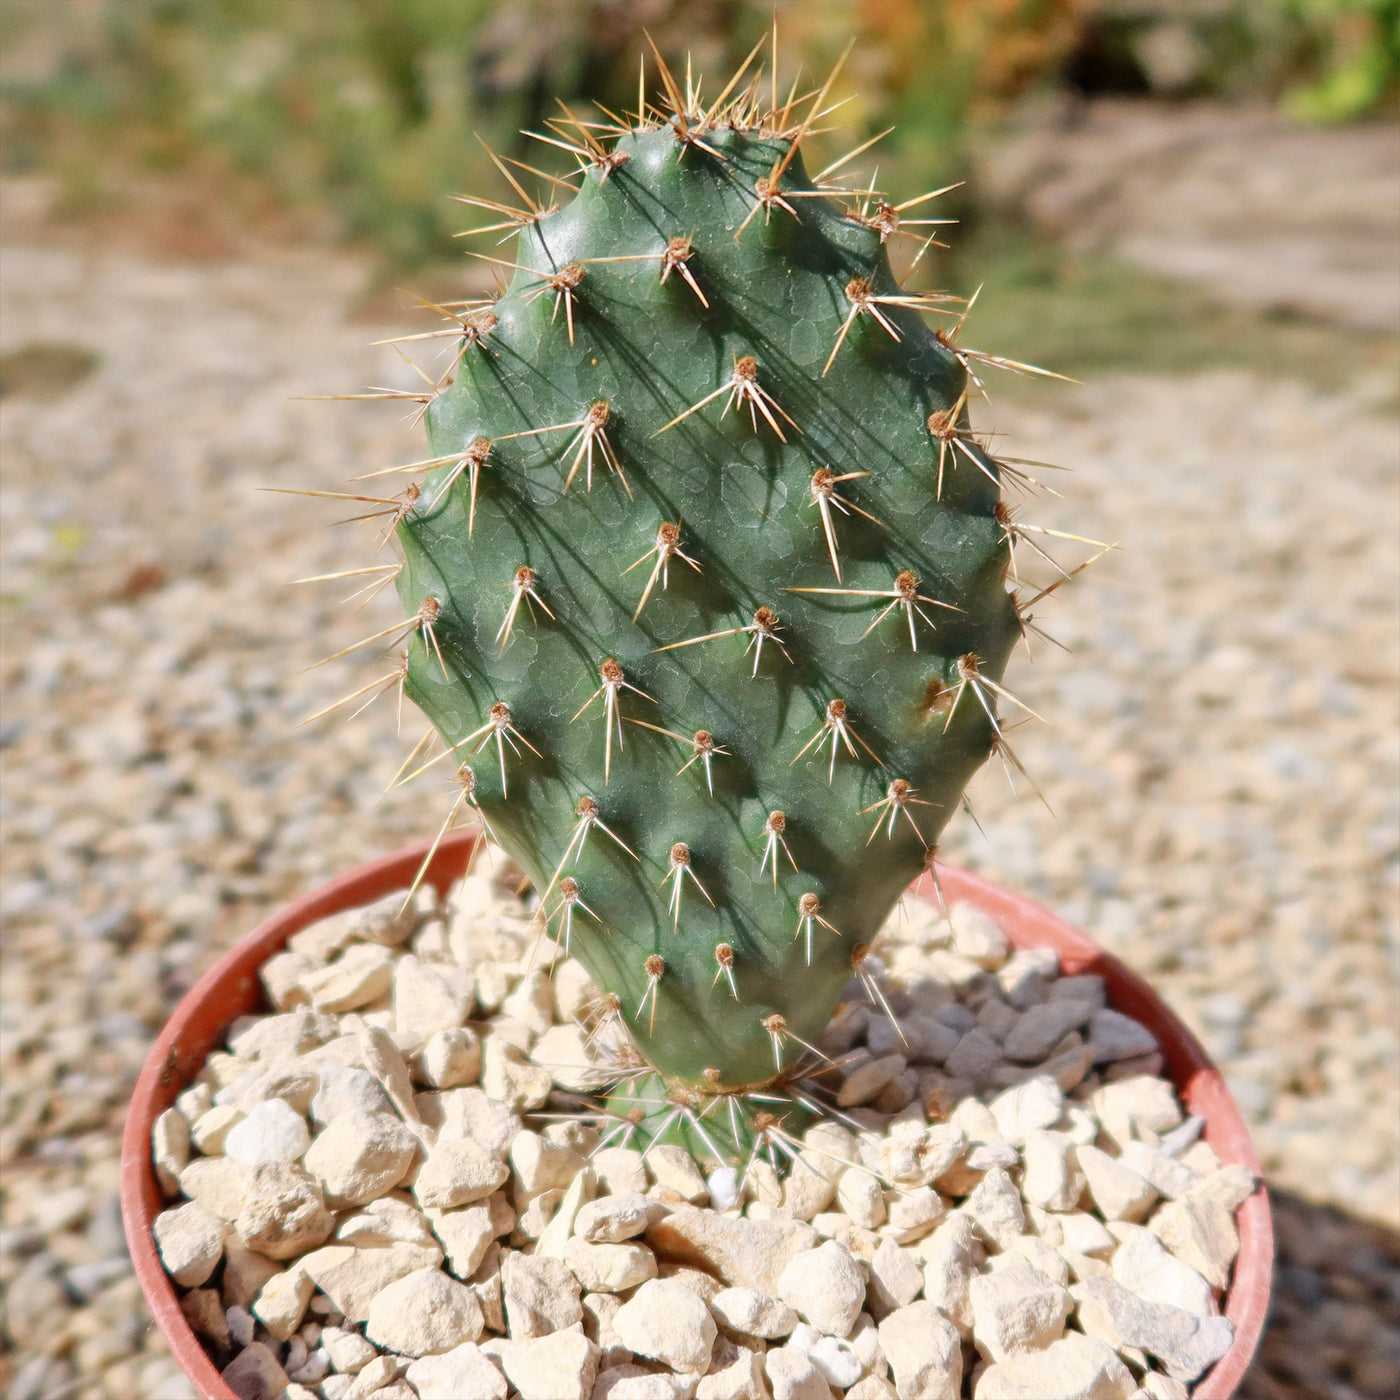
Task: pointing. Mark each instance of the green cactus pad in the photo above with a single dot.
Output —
(653, 411)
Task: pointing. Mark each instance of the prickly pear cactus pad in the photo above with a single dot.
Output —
(707, 581)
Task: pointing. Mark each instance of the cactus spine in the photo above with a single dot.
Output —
(706, 586)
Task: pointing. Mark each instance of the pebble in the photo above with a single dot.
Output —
(1016, 1309)
(753, 1313)
(1117, 1190)
(450, 1058)
(190, 1241)
(895, 1278)
(977, 936)
(609, 1268)
(255, 1374)
(749, 1252)
(348, 1350)
(1074, 1368)
(463, 1373)
(1144, 1267)
(1051, 1176)
(351, 1278)
(456, 1172)
(1184, 1342)
(1041, 1028)
(422, 1313)
(272, 1131)
(281, 1302)
(824, 1286)
(666, 1321)
(995, 1208)
(675, 1169)
(1201, 1232)
(359, 1156)
(170, 1149)
(949, 1268)
(793, 1375)
(1114, 1036)
(344, 1089)
(541, 1165)
(924, 1352)
(282, 1213)
(540, 1296)
(739, 1378)
(611, 1219)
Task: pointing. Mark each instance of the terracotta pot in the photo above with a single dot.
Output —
(231, 988)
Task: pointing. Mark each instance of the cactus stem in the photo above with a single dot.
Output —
(680, 868)
(824, 496)
(767, 197)
(654, 967)
(898, 798)
(943, 424)
(808, 913)
(588, 818)
(666, 548)
(394, 680)
(674, 259)
(742, 387)
(764, 628)
(839, 727)
(614, 681)
(773, 828)
(522, 588)
(592, 432)
(905, 595)
(724, 956)
(858, 958)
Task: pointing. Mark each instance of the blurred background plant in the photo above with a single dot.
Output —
(366, 110)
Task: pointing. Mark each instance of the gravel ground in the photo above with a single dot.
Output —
(1223, 778)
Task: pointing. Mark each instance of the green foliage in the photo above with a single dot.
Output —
(709, 539)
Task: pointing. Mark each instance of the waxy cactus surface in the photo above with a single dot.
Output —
(707, 583)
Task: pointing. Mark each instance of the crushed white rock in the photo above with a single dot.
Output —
(1004, 1203)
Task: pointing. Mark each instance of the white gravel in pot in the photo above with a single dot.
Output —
(395, 1203)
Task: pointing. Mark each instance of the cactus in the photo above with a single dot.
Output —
(706, 586)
